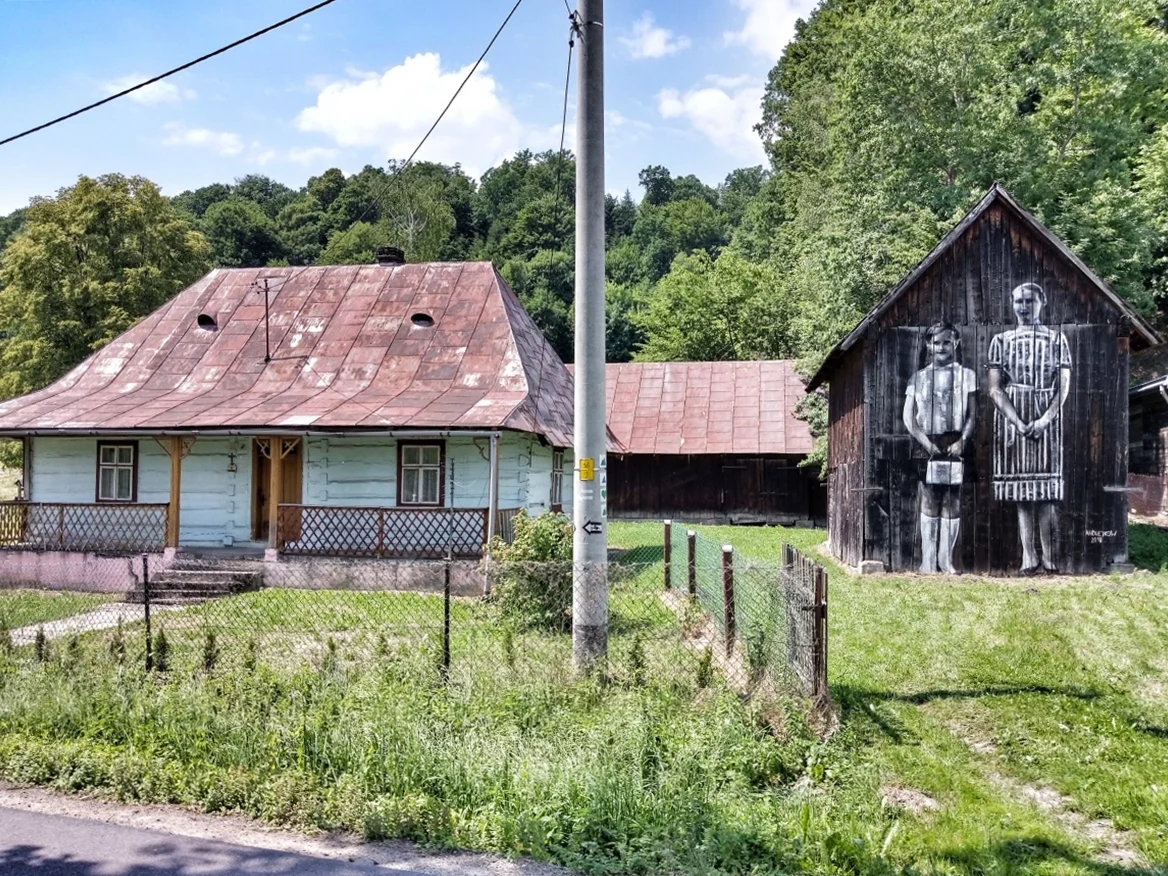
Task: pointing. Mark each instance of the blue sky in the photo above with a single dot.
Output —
(359, 82)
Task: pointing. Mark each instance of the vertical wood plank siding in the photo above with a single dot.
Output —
(970, 286)
(744, 488)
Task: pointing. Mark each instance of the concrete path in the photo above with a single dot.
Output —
(100, 619)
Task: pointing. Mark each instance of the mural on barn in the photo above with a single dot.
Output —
(940, 411)
(1029, 380)
(978, 415)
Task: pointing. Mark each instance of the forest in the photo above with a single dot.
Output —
(883, 121)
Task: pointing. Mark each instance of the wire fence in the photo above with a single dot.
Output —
(691, 611)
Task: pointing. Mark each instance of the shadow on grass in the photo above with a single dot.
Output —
(641, 555)
(1027, 854)
(859, 703)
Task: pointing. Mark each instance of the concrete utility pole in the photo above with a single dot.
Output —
(590, 486)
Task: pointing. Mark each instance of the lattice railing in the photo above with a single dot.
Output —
(333, 531)
(505, 523)
(59, 526)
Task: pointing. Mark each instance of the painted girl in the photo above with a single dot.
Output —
(939, 413)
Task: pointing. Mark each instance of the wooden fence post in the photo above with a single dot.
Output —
(667, 553)
(728, 595)
(691, 549)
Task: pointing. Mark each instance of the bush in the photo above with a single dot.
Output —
(531, 578)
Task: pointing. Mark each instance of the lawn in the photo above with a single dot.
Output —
(985, 727)
(23, 607)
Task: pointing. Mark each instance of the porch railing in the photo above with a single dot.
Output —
(62, 526)
(333, 531)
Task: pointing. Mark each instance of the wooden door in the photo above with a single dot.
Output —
(291, 482)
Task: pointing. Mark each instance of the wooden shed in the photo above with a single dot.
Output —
(978, 415)
(710, 442)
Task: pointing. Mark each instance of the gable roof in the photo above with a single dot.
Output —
(705, 407)
(345, 355)
(996, 194)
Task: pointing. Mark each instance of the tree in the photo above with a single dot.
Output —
(708, 309)
(663, 233)
(88, 265)
(302, 230)
(271, 196)
(241, 234)
(197, 202)
(326, 187)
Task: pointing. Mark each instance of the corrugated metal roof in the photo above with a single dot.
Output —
(706, 407)
(345, 354)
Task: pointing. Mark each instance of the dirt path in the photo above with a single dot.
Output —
(240, 830)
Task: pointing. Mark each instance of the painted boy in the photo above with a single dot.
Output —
(939, 412)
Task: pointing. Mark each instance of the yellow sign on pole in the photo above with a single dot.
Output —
(587, 469)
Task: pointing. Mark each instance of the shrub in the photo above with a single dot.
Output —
(160, 651)
(531, 578)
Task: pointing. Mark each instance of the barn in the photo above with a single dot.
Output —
(712, 442)
(978, 415)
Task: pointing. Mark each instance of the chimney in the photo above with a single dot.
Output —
(390, 255)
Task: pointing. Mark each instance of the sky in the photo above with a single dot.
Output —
(359, 82)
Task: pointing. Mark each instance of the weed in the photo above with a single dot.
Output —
(210, 651)
(704, 674)
(329, 661)
(6, 646)
(41, 646)
(636, 659)
(117, 644)
(251, 656)
(73, 654)
(757, 650)
(507, 639)
(693, 618)
(160, 651)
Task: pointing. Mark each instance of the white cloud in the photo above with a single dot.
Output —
(650, 41)
(769, 25)
(156, 92)
(312, 154)
(219, 142)
(726, 118)
(391, 111)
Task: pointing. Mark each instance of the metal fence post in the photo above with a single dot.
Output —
(446, 619)
(728, 595)
(146, 610)
(667, 555)
(820, 632)
(691, 549)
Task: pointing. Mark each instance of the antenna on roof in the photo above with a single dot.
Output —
(267, 321)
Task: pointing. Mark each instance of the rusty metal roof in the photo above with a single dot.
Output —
(706, 407)
(345, 355)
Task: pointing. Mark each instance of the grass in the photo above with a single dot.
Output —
(961, 702)
(23, 607)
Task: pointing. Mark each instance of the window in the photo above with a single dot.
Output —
(420, 480)
(117, 472)
(557, 480)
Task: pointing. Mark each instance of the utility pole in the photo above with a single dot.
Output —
(590, 486)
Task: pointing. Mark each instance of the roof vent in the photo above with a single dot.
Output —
(422, 320)
(390, 255)
(207, 322)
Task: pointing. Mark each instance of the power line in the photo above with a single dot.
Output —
(162, 76)
(441, 115)
(573, 33)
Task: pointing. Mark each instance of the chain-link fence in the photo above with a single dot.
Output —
(688, 611)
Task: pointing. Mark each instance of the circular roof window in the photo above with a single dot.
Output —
(422, 320)
(207, 322)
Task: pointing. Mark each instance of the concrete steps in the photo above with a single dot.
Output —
(180, 586)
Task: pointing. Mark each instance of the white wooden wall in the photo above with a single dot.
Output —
(216, 504)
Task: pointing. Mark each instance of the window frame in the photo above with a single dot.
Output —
(401, 466)
(133, 466)
(556, 498)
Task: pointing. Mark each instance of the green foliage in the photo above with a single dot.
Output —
(704, 670)
(531, 578)
(1147, 547)
(87, 265)
(41, 646)
(117, 643)
(160, 651)
(211, 651)
(241, 234)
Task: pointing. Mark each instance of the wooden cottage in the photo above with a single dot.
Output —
(710, 442)
(376, 411)
(978, 415)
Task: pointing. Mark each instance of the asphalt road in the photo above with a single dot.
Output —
(34, 844)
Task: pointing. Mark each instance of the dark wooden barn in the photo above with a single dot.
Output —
(714, 442)
(978, 415)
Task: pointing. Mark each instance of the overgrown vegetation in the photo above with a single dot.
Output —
(531, 578)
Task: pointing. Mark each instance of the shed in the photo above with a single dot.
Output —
(978, 415)
(713, 442)
(1148, 447)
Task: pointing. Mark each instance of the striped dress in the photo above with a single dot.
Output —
(1031, 359)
